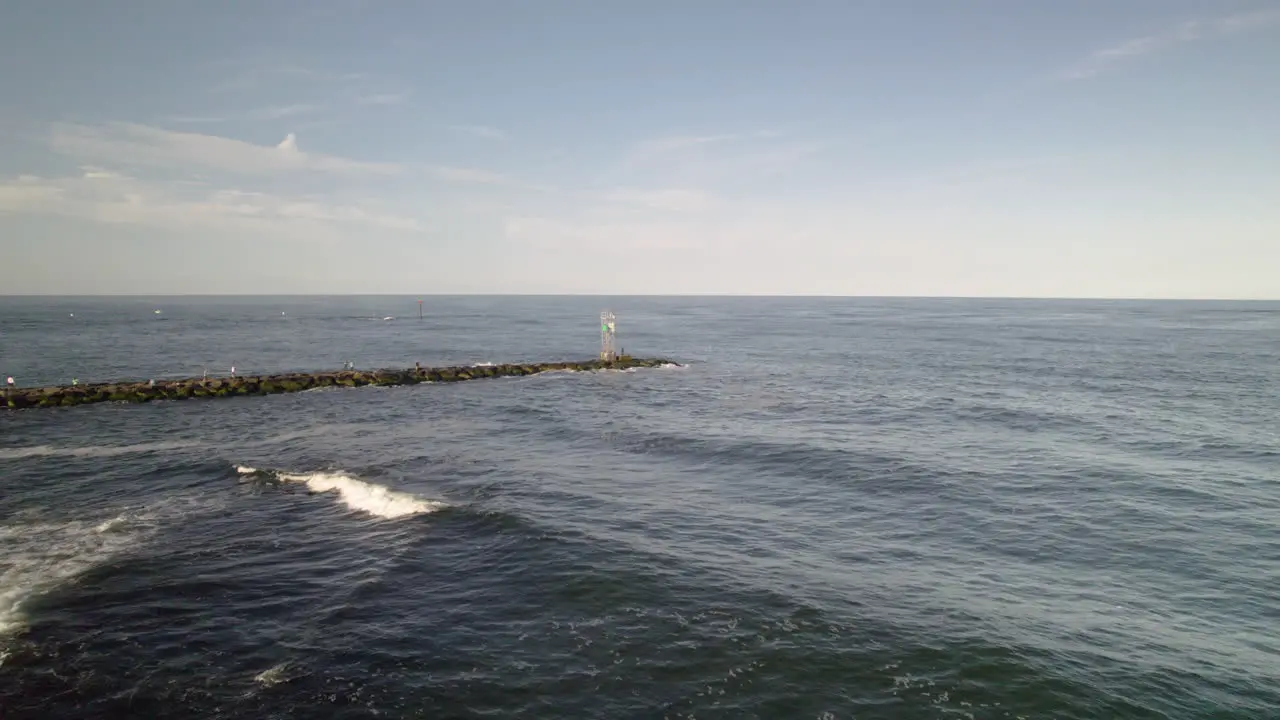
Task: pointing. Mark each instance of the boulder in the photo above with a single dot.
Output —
(65, 396)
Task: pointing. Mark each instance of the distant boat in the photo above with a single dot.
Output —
(157, 312)
(388, 318)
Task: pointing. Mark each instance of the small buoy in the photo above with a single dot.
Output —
(73, 314)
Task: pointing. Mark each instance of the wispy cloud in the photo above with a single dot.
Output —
(28, 193)
(191, 119)
(679, 194)
(718, 161)
(140, 145)
(481, 131)
(1180, 34)
(283, 111)
(620, 236)
(246, 75)
(669, 200)
(113, 198)
(96, 173)
(663, 148)
(396, 98)
(469, 175)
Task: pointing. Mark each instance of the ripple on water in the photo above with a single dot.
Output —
(871, 509)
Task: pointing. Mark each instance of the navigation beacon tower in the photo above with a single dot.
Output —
(608, 340)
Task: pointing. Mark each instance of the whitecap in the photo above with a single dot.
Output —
(279, 673)
(356, 494)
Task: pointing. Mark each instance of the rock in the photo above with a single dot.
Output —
(142, 392)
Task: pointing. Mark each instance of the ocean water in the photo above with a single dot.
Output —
(835, 508)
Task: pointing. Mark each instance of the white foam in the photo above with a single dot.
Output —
(486, 363)
(26, 452)
(276, 674)
(92, 451)
(109, 525)
(359, 495)
(41, 556)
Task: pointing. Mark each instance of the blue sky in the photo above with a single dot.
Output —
(942, 147)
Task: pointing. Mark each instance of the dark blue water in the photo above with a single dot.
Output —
(837, 509)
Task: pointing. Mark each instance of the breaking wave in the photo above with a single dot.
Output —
(284, 672)
(356, 494)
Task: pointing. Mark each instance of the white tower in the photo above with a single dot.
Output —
(608, 343)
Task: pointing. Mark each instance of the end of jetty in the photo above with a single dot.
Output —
(191, 388)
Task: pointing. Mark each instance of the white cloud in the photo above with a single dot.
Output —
(673, 200)
(678, 147)
(96, 173)
(192, 119)
(1182, 33)
(482, 131)
(28, 193)
(108, 197)
(398, 98)
(691, 200)
(663, 147)
(141, 145)
(621, 236)
(258, 73)
(283, 111)
(469, 175)
(719, 160)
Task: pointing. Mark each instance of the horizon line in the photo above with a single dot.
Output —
(1119, 298)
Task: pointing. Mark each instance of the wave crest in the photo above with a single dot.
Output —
(356, 494)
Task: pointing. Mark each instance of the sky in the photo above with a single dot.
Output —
(997, 148)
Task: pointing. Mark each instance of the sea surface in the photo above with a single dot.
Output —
(833, 508)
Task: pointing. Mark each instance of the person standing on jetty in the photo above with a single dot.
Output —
(8, 382)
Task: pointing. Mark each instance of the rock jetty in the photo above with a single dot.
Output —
(141, 392)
